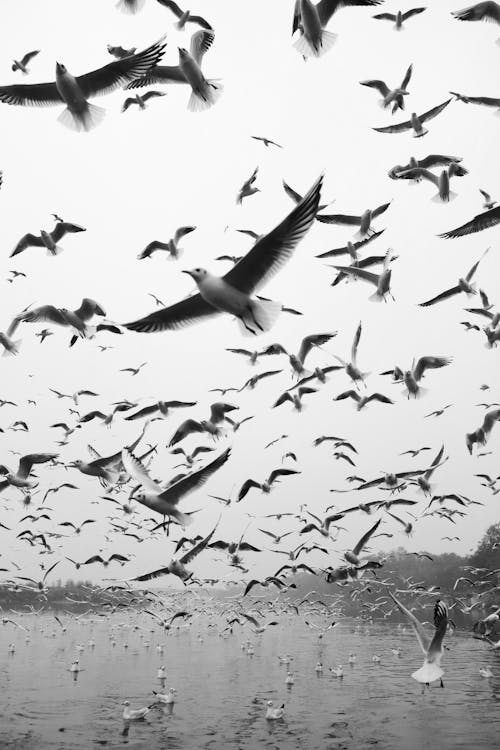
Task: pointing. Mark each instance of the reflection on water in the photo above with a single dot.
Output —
(222, 692)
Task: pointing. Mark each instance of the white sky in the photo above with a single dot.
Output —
(140, 175)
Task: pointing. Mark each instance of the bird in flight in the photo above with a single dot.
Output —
(232, 292)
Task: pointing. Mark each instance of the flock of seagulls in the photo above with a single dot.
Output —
(148, 497)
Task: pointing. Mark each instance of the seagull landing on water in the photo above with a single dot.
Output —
(232, 292)
(433, 649)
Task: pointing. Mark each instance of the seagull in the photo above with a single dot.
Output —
(307, 344)
(438, 412)
(415, 122)
(106, 469)
(412, 378)
(352, 556)
(76, 319)
(218, 412)
(294, 398)
(351, 367)
(134, 370)
(428, 162)
(141, 100)
(79, 114)
(484, 11)
(483, 432)
(47, 239)
(488, 202)
(362, 401)
(134, 714)
(391, 96)
(463, 285)
(441, 181)
(351, 248)
(184, 16)
(176, 566)
(231, 293)
(399, 18)
(119, 52)
(171, 247)
(485, 101)
(273, 714)
(20, 478)
(204, 92)
(201, 42)
(266, 485)
(381, 281)
(363, 222)
(165, 501)
(252, 382)
(22, 64)
(432, 649)
(161, 407)
(479, 223)
(248, 188)
(266, 141)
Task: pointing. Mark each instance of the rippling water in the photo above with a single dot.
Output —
(221, 691)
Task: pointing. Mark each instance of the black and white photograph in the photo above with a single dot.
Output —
(249, 375)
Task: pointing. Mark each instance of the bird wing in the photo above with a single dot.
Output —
(429, 363)
(422, 637)
(296, 197)
(477, 224)
(379, 397)
(31, 94)
(195, 551)
(64, 227)
(146, 411)
(348, 394)
(406, 80)
(326, 8)
(308, 342)
(441, 624)
(366, 537)
(201, 42)
(151, 576)
(89, 308)
(412, 12)
(380, 86)
(26, 462)
(281, 473)
(188, 427)
(193, 481)
(355, 344)
(273, 250)
(136, 469)
(470, 274)
(444, 295)
(29, 240)
(346, 219)
(385, 17)
(181, 232)
(360, 273)
(29, 56)
(286, 396)
(438, 160)
(246, 487)
(380, 210)
(152, 95)
(176, 316)
(416, 173)
(434, 112)
(116, 74)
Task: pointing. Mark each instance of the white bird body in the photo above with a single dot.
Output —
(134, 714)
(205, 92)
(274, 713)
(314, 40)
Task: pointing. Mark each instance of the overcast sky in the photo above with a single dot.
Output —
(142, 174)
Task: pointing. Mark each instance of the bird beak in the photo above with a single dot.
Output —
(189, 273)
(58, 67)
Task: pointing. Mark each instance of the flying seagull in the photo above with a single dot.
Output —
(399, 18)
(463, 285)
(232, 292)
(363, 222)
(141, 100)
(184, 16)
(171, 247)
(22, 64)
(47, 239)
(76, 319)
(415, 122)
(391, 96)
(79, 114)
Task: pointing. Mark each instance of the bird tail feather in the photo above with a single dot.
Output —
(428, 673)
(56, 251)
(260, 317)
(376, 297)
(307, 49)
(130, 6)
(182, 518)
(421, 133)
(86, 120)
(202, 100)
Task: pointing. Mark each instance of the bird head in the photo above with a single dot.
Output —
(183, 54)
(60, 69)
(198, 274)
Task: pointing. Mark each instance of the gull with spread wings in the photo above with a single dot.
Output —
(391, 96)
(416, 122)
(79, 114)
(232, 292)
